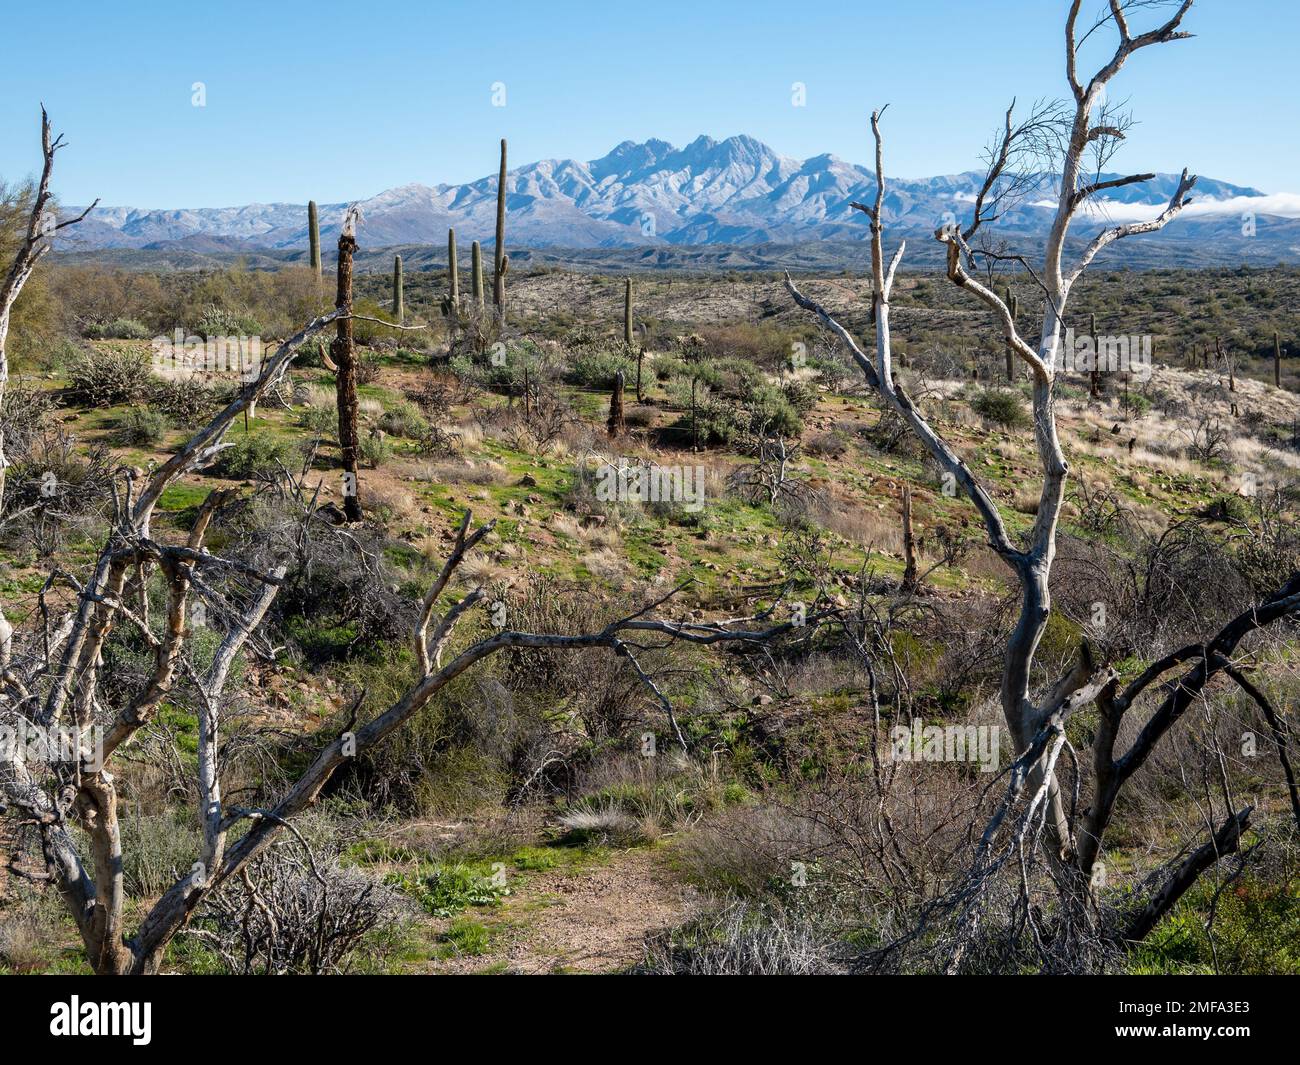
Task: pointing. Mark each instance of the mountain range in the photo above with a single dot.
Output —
(662, 200)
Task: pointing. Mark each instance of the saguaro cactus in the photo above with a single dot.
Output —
(499, 278)
(453, 277)
(627, 312)
(1277, 361)
(399, 309)
(476, 274)
(313, 236)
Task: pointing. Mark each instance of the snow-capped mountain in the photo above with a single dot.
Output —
(737, 191)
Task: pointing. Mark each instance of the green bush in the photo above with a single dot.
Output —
(256, 454)
(118, 329)
(1001, 406)
(376, 450)
(103, 377)
(220, 322)
(318, 419)
(449, 889)
(598, 369)
(142, 426)
(404, 419)
(186, 400)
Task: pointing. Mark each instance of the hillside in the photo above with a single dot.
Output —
(523, 828)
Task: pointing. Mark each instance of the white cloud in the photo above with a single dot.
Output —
(1278, 204)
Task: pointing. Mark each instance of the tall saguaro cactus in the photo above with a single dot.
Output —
(313, 236)
(453, 277)
(1277, 360)
(627, 312)
(343, 355)
(476, 274)
(499, 278)
(399, 307)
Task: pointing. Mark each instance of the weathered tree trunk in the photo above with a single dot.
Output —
(909, 543)
(616, 424)
(343, 352)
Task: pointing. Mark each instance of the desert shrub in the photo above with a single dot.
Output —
(600, 822)
(157, 850)
(312, 915)
(598, 369)
(312, 353)
(102, 377)
(26, 930)
(24, 411)
(258, 454)
(404, 419)
(117, 329)
(763, 343)
(369, 365)
(142, 426)
(775, 410)
(667, 367)
(375, 449)
(828, 445)
(318, 418)
(66, 490)
(1001, 406)
(455, 886)
(218, 321)
(743, 939)
(1255, 931)
(641, 417)
(186, 400)
(368, 333)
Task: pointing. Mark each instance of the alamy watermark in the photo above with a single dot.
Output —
(1083, 353)
(946, 743)
(36, 745)
(625, 480)
(184, 356)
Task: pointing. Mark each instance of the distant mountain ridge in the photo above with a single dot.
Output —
(735, 192)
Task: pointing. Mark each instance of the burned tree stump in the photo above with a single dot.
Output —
(616, 424)
(343, 355)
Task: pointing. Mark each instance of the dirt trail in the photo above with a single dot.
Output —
(594, 919)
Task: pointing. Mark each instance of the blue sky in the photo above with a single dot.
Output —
(338, 101)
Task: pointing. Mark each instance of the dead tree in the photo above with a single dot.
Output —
(55, 681)
(909, 543)
(615, 423)
(1036, 719)
(343, 355)
(37, 240)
